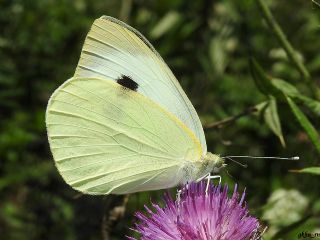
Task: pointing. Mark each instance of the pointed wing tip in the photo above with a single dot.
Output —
(108, 18)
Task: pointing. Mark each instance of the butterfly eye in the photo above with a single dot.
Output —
(127, 82)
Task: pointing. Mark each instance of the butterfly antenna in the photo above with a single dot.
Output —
(229, 174)
(235, 161)
(281, 158)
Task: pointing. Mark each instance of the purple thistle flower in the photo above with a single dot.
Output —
(199, 216)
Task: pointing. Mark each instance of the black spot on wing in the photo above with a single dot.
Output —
(127, 82)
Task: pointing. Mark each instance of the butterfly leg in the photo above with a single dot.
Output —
(178, 195)
(209, 177)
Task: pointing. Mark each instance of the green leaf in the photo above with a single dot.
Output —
(261, 107)
(218, 55)
(312, 104)
(165, 24)
(312, 170)
(271, 118)
(262, 81)
(285, 87)
(305, 124)
(291, 91)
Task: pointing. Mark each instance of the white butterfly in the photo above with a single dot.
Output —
(123, 123)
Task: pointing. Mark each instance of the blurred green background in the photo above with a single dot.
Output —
(208, 45)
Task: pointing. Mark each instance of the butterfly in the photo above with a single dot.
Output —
(122, 123)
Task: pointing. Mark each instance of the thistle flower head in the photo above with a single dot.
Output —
(198, 215)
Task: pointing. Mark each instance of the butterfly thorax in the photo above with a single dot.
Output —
(210, 163)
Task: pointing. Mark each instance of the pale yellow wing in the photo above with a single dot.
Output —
(112, 49)
(106, 138)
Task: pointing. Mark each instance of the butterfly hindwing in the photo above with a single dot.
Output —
(106, 138)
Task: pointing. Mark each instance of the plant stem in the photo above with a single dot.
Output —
(115, 211)
(315, 2)
(281, 37)
(228, 120)
(276, 29)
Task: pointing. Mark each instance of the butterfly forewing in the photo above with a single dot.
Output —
(113, 49)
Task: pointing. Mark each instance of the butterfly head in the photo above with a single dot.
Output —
(210, 163)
